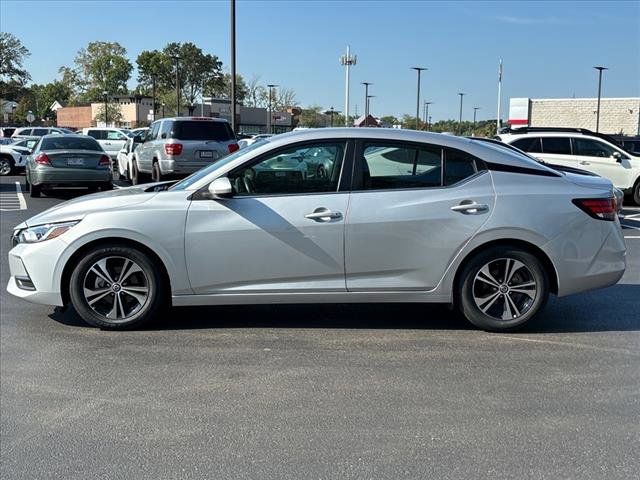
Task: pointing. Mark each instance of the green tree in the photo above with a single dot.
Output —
(13, 75)
(220, 87)
(39, 98)
(390, 120)
(312, 117)
(101, 66)
(114, 113)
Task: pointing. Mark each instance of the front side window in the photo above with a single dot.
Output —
(297, 170)
(97, 134)
(592, 148)
(115, 135)
(392, 166)
(528, 144)
(556, 145)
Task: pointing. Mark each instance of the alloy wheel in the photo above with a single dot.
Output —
(5, 167)
(504, 289)
(116, 288)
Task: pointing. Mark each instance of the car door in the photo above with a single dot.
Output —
(114, 142)
(144, 152)
(281, 231)
(604, 160)
(412, 208)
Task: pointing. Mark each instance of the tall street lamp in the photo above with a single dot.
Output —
(426, 114)
(600, 69)
(460, 117)
(369, 97)
(176, 58)
(331, 112)
(366, 102)
(153, 94)
(233, 66)
(418, 69)
(475, 109)
(347, 60)
(106, 115)
(271, 86)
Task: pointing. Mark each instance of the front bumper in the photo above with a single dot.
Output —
(34, 273)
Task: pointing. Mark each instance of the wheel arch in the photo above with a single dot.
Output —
(547, 264)
(74, 258)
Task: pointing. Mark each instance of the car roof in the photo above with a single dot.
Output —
(191, 119)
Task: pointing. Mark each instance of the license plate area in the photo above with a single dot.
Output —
(75, 162)
(206, 154)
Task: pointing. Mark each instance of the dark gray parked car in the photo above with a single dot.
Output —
(68, 161)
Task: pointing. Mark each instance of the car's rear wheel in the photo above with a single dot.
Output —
(156, 174)
(35, 191)
(116, 287)
(6, 166)
(636, 192)
(502, 288)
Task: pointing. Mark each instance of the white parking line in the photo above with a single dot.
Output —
(13, 201)
(23, 202)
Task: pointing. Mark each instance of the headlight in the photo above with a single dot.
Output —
(40, 233)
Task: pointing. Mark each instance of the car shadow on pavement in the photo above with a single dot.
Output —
(611, 309)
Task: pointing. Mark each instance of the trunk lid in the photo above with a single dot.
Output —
(74, 158)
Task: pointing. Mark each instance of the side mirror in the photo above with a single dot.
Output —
(220, 188)
(617, 156)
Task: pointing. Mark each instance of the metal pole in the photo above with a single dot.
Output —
(347, 60)
(418, 69)
(106, 115)
(271, 86)
(153, 94)
(233, 65)
(460, 117)
(600, 69)
(426, 114)
(331, 116)
(177, 59)
(366, 102)
(202, 101)
(475, 109)
(499, 97)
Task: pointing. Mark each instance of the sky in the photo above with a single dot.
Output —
(548, 48)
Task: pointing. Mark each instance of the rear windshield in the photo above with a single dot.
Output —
(69, 143)
(202, 130)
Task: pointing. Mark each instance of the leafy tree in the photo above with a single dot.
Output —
(312, 117)
(220, 87)
(101, 66)
(390, 120)
(114, 113)
(39, 98)
(13, 75)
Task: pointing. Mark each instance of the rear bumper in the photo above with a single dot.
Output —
(69, 176)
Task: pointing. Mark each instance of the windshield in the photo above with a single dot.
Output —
(200, 174)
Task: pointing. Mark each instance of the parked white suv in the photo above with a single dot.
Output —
(110, 139)
(33, 132)
(583, 149)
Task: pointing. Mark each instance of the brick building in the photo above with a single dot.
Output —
(617, 115)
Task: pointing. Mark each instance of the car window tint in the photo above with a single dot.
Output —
(97, 134)
(39, 131)
(392, 166)
(557, 145)
(152, 134)
(165, 129)
(592, 148)
(528, 144)
(202, 130)
(458, 166)
(69, 143)
(295, 170)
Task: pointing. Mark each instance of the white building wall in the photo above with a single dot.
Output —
(617, 115)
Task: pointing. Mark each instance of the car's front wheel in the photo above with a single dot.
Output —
(636, 192)
(117, 287)
(6, 165)
(502, 288)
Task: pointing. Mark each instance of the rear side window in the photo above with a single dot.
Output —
(115, 135)
(165, 129)
(557, 145)
(70, 143)
(202, 130)
(459, 166)
(152, 134)
(39, 132)
(529, 144)
(26, 131)
(97, 134)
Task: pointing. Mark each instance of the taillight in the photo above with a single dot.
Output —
(42, 159)
(173, 148)
(105, 161)
(600, 208)
(233, 147)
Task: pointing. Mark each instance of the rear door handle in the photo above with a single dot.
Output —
(323, 214)
(584, 162)
(471, 208)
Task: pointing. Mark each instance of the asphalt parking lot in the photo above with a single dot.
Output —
(321, 391)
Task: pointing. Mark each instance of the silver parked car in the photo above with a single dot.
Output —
(67, 161)
(398, 216)
(180, 146)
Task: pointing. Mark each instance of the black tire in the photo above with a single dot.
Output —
(473, 285)
(137, 177)
(35, 191)
(156, 174)
(7, 166)
(106, 186)
(140, 313)
(27, 185)
(636, 193)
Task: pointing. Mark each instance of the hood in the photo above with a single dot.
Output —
(589, 181)
(77, 208)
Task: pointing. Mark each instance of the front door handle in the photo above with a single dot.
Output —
(323, 214)
(471, 208)
(584, 162)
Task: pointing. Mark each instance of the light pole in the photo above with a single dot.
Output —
(162, 109)
(369, 97)
(418, 69)
(347, 60)
(153, 94)
(176, 58)
(426, 114)
(460, 117)
(475, 109)
(106, 117)
(600, 69)
(271, 86)
(331, 112)
(233, 66)
(366, 102)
